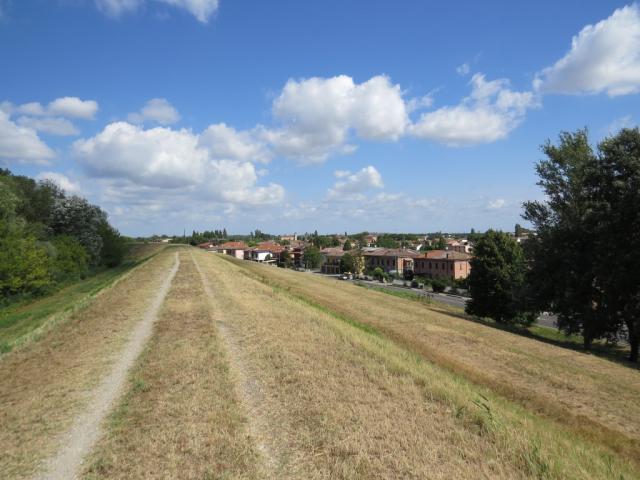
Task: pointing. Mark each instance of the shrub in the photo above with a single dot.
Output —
(378, 273)
(70, 259)
(438, 285)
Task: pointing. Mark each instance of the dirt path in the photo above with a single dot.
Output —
(86, 429)
(248, 387)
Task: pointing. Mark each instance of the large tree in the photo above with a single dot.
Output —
(497, 280)
(311, 257)
(585, 258)
(616, 190)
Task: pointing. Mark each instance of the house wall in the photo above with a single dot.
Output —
(330, 264)
(442, 268)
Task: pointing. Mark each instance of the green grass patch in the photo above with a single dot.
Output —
(19, 320)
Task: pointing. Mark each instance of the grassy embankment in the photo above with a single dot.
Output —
(180, 417)
(25, 321)
(556, 412)
(44, 385)
(619, 352)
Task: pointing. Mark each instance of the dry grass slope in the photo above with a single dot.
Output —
(43, 386)
(547, 380)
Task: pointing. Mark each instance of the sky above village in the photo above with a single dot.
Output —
(292, 116)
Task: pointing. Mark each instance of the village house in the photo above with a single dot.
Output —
(235, 249)
(443, 264)
(264, 252)
(206, 246)
(390, 259)
(460, 246)
(330, 260)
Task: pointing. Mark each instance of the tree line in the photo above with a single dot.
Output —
(48, 238)
(582, 261)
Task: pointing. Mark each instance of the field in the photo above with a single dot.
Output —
(251, 372)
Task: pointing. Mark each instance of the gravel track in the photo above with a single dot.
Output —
(77, 442)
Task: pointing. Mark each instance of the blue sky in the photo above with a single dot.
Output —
(293, 116)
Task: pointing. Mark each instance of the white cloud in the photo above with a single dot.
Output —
(620, 123)
(604, 57)
(62, 181)
(115, 8)
(31, 108)
(366, 179)
(201, 9)
(52, 125)
(463, 69)
(318, 114)
(21, 144)
(73, 107)
(488, 114)
(225, 142)
(157, 110)
(496, 204)
(419, 103)
(161, 159)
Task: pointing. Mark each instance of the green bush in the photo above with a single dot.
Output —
(438, 285)
(70, 259)
(114, 246)
(25, 267)
(378, 273)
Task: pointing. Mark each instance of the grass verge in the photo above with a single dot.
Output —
(21, 323)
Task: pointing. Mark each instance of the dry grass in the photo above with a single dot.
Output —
(599, 399)
(45, 384)
(328, 408)
(180, 417)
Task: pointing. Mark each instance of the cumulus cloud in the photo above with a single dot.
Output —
(157, 110)
(164, 159)
(366, 179)
(21, 144)
(201, 9)
(489, 113)
(73, 107)
(62, 181)
(115, 8)
(604, 57)
(317, 115)
(226, 142)
(51, 125)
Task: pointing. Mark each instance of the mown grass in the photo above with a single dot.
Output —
(19, 322)
(498, 432)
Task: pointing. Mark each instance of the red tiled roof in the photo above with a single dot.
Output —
(205, 245)
(392, 252)
(333, 252)
(446, 255)
(233, 246)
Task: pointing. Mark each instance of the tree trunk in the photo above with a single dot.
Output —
(587, 341)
